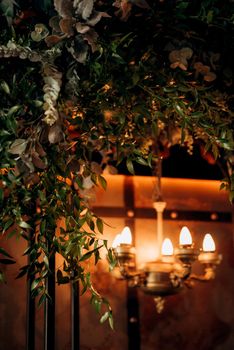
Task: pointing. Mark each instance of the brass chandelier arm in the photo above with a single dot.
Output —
(184, 271)
(172, 270)
(208, 275)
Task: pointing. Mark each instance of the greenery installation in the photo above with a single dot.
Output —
(86, 85)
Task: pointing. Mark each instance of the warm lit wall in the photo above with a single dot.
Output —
(201, 318)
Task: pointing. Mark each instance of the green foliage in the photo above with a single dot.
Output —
(114, 83)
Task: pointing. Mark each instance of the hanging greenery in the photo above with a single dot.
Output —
(86, 85)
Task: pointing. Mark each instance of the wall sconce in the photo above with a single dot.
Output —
(173, 269)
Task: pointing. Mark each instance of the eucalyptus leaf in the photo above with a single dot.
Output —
(97, 92)
(18, 146)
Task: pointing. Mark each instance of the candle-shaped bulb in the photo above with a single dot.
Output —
(167, 247)
(208, 243)
(185, 236)
(116, 241)
(126, 236)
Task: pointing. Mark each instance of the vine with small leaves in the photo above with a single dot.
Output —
(86, 85)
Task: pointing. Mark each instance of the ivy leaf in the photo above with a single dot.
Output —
(35, 283)
(89, 254)
(3, 252)
(97, 304)
(102, 181)
(130, 166)
(46, 261)
(7, 261)
(97, 257)
(179, 110)
(37, 291)
(149, 160)
(7, 8)
(104, 317)
(42, 226)
(5, 87)
(215, 151)
(8, 224)
(99, 224)
(24, 224)
(111, 259)
(91, 224)
(86, 256)
(42, 299)
(13, 110)
(111, 321)
(141, 161)
(23, 271)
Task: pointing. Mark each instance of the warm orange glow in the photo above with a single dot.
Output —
(125, 237)
(167, 247)
(66, 180)
(76, 114)
(185, 236)
(208, 243)
(5, 170)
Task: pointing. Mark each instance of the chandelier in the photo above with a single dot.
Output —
(172, 271)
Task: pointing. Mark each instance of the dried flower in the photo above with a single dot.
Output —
(40, 32)
(53, 81)
(178, 58)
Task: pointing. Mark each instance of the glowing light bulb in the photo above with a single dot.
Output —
(167, 247)
(185, 236)
(126, 236)
(116, 241)
(208, 243)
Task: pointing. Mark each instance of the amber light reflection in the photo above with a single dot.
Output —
(146, 241)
